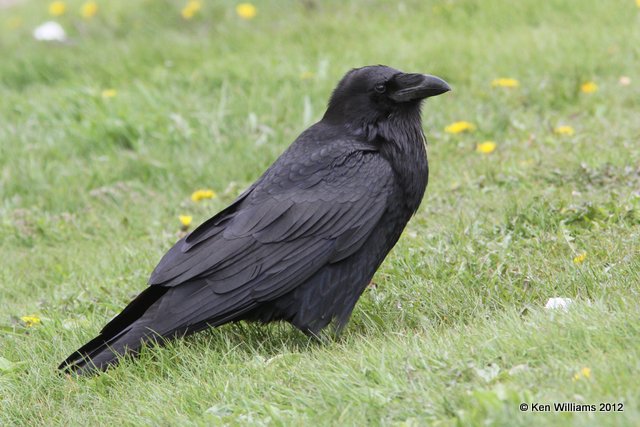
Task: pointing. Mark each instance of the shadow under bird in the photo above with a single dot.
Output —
(302, 243)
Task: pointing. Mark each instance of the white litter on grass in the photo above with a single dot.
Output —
(488, 373)
(50, 31)
(561, 303)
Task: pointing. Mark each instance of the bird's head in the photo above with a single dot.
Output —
(369, 95)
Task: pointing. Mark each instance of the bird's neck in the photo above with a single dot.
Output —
(402, 142)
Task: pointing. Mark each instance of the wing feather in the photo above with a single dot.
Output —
(299, 217)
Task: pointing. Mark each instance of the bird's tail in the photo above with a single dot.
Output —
(125, 334)
(159, 313)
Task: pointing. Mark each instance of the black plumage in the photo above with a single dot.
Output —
(302, 243)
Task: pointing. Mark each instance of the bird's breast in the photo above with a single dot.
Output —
(408, 158)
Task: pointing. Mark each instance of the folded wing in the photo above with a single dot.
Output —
(300, 216)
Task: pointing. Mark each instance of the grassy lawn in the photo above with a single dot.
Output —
(454, 331)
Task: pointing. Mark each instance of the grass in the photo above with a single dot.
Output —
(453, 333)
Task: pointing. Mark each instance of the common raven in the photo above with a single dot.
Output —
(301, 243)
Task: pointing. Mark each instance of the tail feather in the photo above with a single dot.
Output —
(123, 334)
(156, 315)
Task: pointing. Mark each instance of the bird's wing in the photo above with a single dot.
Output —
(315, 205)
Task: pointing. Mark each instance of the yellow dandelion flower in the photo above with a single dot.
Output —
(638, 3)
(89, 9)
(185, 220)
(579, 259)
(583, 373)
(505, 82)
(198, 195)
(187, 13)
(191, 9)
(486, 147)
(109, 93)
(307, 75)
(246, 11)
(564, 130)
(588, 87)
(458, 127)
(31, 320)
(57, 8)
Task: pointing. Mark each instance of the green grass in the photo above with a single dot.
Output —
(453, 333)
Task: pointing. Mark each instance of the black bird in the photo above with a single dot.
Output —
(301, 243)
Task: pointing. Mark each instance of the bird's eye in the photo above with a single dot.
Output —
(380, 88)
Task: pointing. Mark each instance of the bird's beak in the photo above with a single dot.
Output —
(412, 87)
